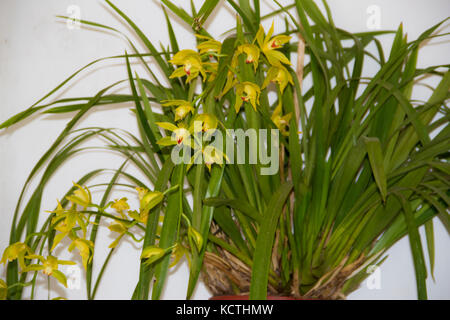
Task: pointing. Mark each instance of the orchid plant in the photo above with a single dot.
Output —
(358, 170)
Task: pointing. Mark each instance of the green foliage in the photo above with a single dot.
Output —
(369, 167)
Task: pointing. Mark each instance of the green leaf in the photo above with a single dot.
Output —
(206, 9)
(180, 12)
(416, 248)
(170, 229)
(376, 159)
(141, 114)
(207, 215)
(246, 18)
(429, 232)
(163, 65)
(93, 236)
(145, 274)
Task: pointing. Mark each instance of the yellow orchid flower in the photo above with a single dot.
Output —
(203, 123)
(177, 254)
(59, 211)
(17, 251)
(150, 200)
(281, 121)
(81, 196)
(269, 45)
(279, 75)
(252, 52)
(141, 192)
(49, 267)
(65, 221)
(138, 216)
(182, 134)
(231, 82)
(231, 77)
(141, 217)
(120, 205)
(247, 92)
(119, 227)
(196, 237)
(182, 110)
(209, 46)
(85, 248)
(191, 62)
(153, 253)
(211, 155)
(3, 290)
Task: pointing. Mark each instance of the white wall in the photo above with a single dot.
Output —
(37, 52)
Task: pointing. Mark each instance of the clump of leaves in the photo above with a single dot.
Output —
(362, 168)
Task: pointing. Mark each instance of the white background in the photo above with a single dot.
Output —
(37, 52)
